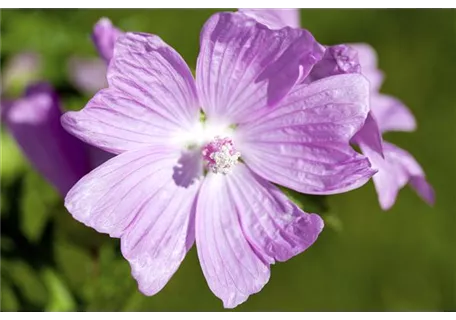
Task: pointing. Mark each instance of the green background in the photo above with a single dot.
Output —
(365, 259)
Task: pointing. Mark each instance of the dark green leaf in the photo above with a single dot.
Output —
(75, 263)
(8, 300)
(38, 201)
(27, 280)
(112, 282)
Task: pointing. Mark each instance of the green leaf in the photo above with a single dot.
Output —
(7, 244)
(38, 200)
(74, 103)
(26, 279)
(8, 300)
(4, 204)
(13, 162)
(71, 230)
(60, 298)
(315, 204)
(74, 263)
(112, 282)
(333, 221)
(308, 203)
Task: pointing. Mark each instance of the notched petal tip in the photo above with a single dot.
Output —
(275, 18)
(244, 67)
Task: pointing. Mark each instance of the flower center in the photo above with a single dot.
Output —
(220, 155)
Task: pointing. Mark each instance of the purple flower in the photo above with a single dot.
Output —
(104, 37)
(183, 174)
(34, 122)
(396, 167)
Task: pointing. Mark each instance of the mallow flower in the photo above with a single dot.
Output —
(396, 167)
(34, 122)
(198, 160)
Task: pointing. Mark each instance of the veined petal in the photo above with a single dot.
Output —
(140, 197)
(337, 59)
(275, 18)
(273, 225)
(244, 67)
(368, 59)
(104, 37)
(394, 171)
(391, 114)
(370, 135)
(34, 121)
(303, 144)
(151, 98)
(243, 225)
(232, 268)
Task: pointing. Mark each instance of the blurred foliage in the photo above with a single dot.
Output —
(365, 260)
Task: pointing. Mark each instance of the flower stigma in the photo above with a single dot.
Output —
(220, 155)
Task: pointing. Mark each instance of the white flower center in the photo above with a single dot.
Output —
(220, 155)
(213, 140)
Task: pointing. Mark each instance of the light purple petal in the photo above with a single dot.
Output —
(394, 172)
(151, 98)
(370, 135)
(232, 268)
(369, 68)
(104, 37)
(275, 18)
(244, 67)
(34, 121)
(391, 114)
(304, 143)
(87, 75)
(275, 227)
(338, 59)
(138, 197)
(243, 225)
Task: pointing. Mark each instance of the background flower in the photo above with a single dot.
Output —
(34, 122)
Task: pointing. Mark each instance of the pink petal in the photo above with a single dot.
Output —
(369, 65)
(243, 225)
(87, 75)
(104, 37)
(244, 67)
(370, 135)
(275, 18)
(150, 100)
(34, 121)
(337, 59)
(394, 172)
(140, 197)
(304, 143)
(391, 114)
